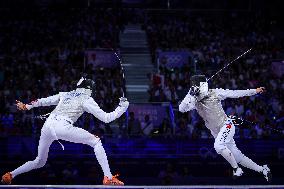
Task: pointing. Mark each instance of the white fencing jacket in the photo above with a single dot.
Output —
(74, 103)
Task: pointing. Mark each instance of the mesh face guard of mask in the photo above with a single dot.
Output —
(200, 82)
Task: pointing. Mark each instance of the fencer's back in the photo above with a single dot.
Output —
(70, 104)
(212, 112)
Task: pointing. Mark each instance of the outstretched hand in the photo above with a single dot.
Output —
(123, 102)
(260, 90)
(20, 105)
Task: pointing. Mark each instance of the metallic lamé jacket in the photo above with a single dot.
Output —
(74, 103)
(210, 107)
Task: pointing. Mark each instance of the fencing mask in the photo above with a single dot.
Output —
(199, 85)
(87, 84)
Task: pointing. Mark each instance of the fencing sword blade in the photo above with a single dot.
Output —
(244, 121)
(229, 64)
(122, 70)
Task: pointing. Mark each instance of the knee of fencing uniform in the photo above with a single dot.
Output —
(238, 155)
(218, 146)
(39, 162)
(98, 145)
(95, 141)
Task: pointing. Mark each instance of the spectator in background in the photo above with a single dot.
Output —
(93, 173)
(69, 174)
(49, 174)
(165, 128)
(168, 175)
(134, 125)
(147, 126)
(182, 131)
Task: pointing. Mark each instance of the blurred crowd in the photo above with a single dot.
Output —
(42, 53)
(213, 41)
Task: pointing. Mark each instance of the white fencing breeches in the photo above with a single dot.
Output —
(226, 146)
(223, 140)
(55, 128)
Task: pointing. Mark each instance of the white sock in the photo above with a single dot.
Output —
(102, 159)
(248, 163)
(227, 154)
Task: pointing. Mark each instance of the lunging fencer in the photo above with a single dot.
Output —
(59, 125)
(207, 102)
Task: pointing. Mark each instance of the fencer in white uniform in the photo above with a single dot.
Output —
(207, 102)
(59, 125)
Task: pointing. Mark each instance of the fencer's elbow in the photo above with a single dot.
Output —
(106, 120)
